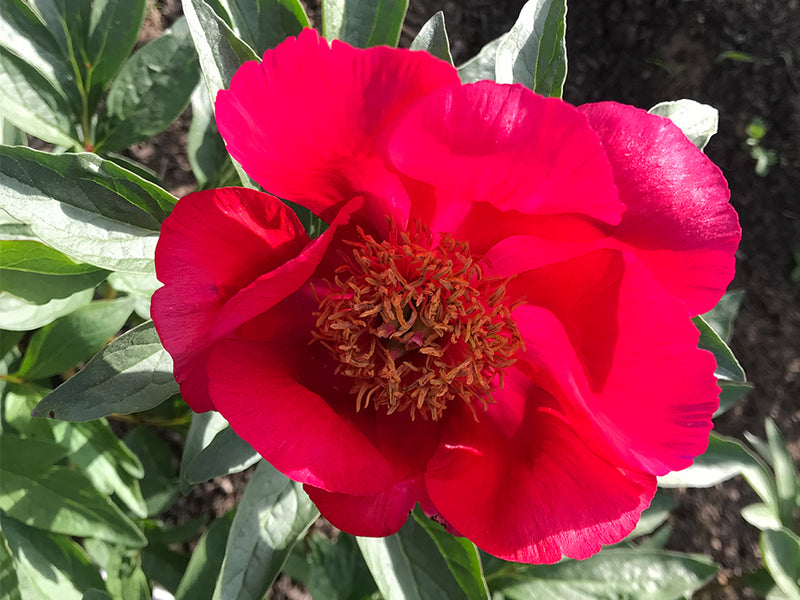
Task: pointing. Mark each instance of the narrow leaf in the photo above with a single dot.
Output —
(615, 573)
(433, 38)
(151, 91)
(201, 574)
(728, 368)
(482, 66)
(409, 566)
(73, 338)
(90, 209)
(653, 517)
(227, 453)
(264, 24)
(19, 315)
(34, 257)
(336, 570)
(697, 121)
(47, 565)
(786, 477)
(38, 288)
(202, 431)
(534, 52)
(207, 154)
(159, 485)
(273, 515)
(364, 23)
(133, 373)
(781, 552)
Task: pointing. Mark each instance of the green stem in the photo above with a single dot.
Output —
(12, 379)
(154, 421)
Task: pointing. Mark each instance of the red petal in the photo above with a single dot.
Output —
(214, 243)
(621, 356)
(255, 387)
(304, 122)
(507, 146)
(522, 485)
(377, 515)
(679, 222)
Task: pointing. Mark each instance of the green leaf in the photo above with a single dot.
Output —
(787, 483)
(220, 51)
(34, 257)
(653, 517)
(697, 121)
(112, 33)
(781, 552)
(41, 289)
(409, 566)
(73, 338)
(125, 579)
(92, 446)
(461, 556)
(264, 24)
(151, 91)
(34, 456)
(364, 23)
(18, 315)
(614, 574)
(761, 516)
(48, 566)
(482, 66)
(722, 316)
(32, 103)
(159, 485)
(728, 368)
(337, 570)
(433, 38)
(202, 431)
(227, 453)
(534, 53)
(200, 576)
(208, 157)
(88, 208)
(161, 563)
(9, 584)
(730, 393)
(273, 515)
(133, 373)
(60, 500)
(725, 458)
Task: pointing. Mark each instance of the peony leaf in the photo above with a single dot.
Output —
(37, 288)
(151, 91)
(264, 24)
(614, 574)
(461, 556)
(336, 570)
(722, 316)
(59, 499)
(364, 23)
(46, 565)
(433, 38)
(409, 566)
(781, 551)
(19, 315)
(159, 485)
(73, 338)
(697, 121)
(483, 65)
(201, 574)
(88, 208)
(211, 164)
(227, 453)
(113, 29)
(131, 374)
(34, 257)
(730, 393)
(728, 367)
(202, 431)
(220, 52)
(787, 482)
(534, 52)
(761, 516)
(653, 517)
(9, 583)
(273, 515)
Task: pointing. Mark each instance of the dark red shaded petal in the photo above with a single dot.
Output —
(214, 243)
(521, 483)
(253, 385)
(621, 357)
(377, 515)
(679, 222)
(304, 122)
(505, 145)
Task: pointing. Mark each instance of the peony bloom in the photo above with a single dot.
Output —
(496, 322)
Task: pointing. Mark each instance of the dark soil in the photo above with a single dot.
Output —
(642, 52)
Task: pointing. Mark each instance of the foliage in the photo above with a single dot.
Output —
(81, 364)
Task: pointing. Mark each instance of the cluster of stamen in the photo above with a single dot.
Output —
(416, 325)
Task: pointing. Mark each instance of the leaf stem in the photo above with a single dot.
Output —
(154, 421)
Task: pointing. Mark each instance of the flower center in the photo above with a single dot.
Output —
(416, 326)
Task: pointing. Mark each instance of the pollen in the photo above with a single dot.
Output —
(416, 325)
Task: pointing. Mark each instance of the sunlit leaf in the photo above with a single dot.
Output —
(482, 66)
(18, 315)
(697, 121)
(264, 24)
(433, 38)
(364, 23)
(781, 552)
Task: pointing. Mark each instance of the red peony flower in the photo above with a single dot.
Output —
(496, 322)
